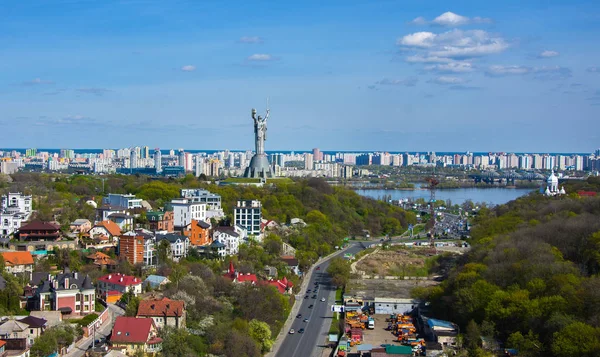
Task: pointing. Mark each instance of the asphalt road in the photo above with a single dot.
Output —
(309, 343)
(82, 346)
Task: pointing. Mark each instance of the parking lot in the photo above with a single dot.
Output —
(378, 336)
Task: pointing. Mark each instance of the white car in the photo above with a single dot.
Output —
(292, 331)
(322, 299)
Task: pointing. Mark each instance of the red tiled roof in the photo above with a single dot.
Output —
(39, 226)
(161, 307)
(132, 330)
(281, 285)
(111, 227)
(17, 258)
(120, 279)
(2, 343)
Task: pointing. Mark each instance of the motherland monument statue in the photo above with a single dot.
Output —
(259, 166)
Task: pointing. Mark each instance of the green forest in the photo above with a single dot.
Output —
(531, 281)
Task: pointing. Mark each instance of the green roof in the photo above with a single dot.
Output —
(398, 350)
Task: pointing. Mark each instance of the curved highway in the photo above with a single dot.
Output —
(316, 329)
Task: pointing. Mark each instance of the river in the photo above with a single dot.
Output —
(491, 196)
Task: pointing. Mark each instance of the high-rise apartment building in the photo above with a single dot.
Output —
(309, 161)
(248, 214)
(158, 160)
(317, 154)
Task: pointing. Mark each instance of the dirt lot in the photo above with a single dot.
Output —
(398, 289)
(395, 261)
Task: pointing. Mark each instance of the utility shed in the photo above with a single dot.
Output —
(388, 306)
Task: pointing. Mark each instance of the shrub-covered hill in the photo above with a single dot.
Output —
(531, 280)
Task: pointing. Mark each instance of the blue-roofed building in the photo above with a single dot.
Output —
(444, 332)
(156, 281)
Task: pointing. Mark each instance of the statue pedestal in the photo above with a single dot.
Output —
(259, 167)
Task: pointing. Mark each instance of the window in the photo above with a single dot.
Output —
(87, 298)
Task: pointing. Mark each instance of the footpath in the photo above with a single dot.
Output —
(298, 303)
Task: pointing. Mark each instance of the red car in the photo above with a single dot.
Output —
(318, 268)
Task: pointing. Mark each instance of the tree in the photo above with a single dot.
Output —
(175, 343)
(177, 273)
(53, 340)
(163, 250)
(577, 340)
(261, 333)
(339, 269)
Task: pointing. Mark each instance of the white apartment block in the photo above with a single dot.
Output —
(184, 210)
(248, 214)
(16, 203)
(228, 237)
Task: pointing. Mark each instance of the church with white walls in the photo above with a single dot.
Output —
(552, 186)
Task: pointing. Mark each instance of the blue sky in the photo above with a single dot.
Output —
(344, 75)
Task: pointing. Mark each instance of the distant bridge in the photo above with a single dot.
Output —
(508, 177)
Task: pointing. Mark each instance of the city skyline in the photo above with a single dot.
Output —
(344, 76)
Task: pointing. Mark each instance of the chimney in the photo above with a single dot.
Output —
(49, 277)
(75, 275)
(152, 306)
(109, 276)
(66, 283)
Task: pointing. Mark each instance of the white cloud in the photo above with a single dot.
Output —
(418, 39)
(419, 21)
(540, 73)
(455, 43)
(448, 80)
(188, 68)
(548, 54)
(260, 57)
(427, 59)
(452, 67)
(36, 81)
(593, 69)
(450, 19)
(508, 70)
(409, 82)
(250, 39)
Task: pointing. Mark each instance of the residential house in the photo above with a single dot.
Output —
(127, 201)
(217, 249)
(212, 201)
(119, 282)
(283, 286)
(164, 312)
(80, 225)
(69, 292)
(229, 237)
(292, 264)
(18, 263)
(104, 211)
(36, 327)
(237, 277)
(102, 261)
(39, 231)
(10, 223)
(161, 220)
(199, 233)
(105, 231)
(185, 210)
(179, 244)
(13, 329)
(156, 281)
(130, 335)
(16, 203)
(248, 214)
(131, 246)
(123, 220)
